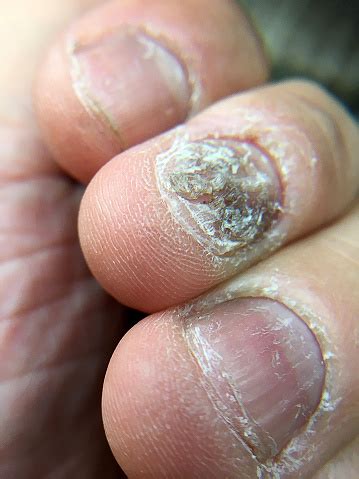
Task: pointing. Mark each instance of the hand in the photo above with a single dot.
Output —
(237, 230)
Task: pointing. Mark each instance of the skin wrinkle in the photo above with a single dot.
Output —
(19, 303)
(43, 370)
(53, 300)
(31, 253)
(94, 365)
(156, 268)
(339, 250)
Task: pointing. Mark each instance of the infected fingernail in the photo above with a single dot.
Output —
(226, 193)
(131, 82)
(262, 368)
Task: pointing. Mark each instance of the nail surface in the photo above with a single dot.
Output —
(226, 193)
(262, 368)
(136, 86)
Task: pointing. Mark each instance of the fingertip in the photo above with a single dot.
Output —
(122, 216)
(211, 390)
(158, 419)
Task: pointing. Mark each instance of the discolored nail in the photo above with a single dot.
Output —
(131, 82)
(262, 368)
(226, 193)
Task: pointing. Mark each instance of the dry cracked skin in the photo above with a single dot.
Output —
(225, 192)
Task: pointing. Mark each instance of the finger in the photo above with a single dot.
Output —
(129, 70)
(166, 221)
(257, 379)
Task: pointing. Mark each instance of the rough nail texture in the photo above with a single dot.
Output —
(224, 192)
(136, 86)
(262, 368)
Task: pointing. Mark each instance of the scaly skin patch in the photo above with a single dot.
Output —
(226, 193)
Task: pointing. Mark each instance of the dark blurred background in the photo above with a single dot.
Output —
(318, 39)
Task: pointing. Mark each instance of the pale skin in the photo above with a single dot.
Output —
(59, 328)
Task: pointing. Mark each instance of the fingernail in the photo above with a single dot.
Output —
(263, 370)
(133, 83)
(225, 193)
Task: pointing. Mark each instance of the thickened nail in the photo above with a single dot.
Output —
(263, 370)
(129, 81)
(226, 193)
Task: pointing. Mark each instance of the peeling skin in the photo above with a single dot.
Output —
(82, 91)
(224, 192)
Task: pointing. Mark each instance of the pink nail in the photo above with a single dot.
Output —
(263, 370)
(131, 82)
